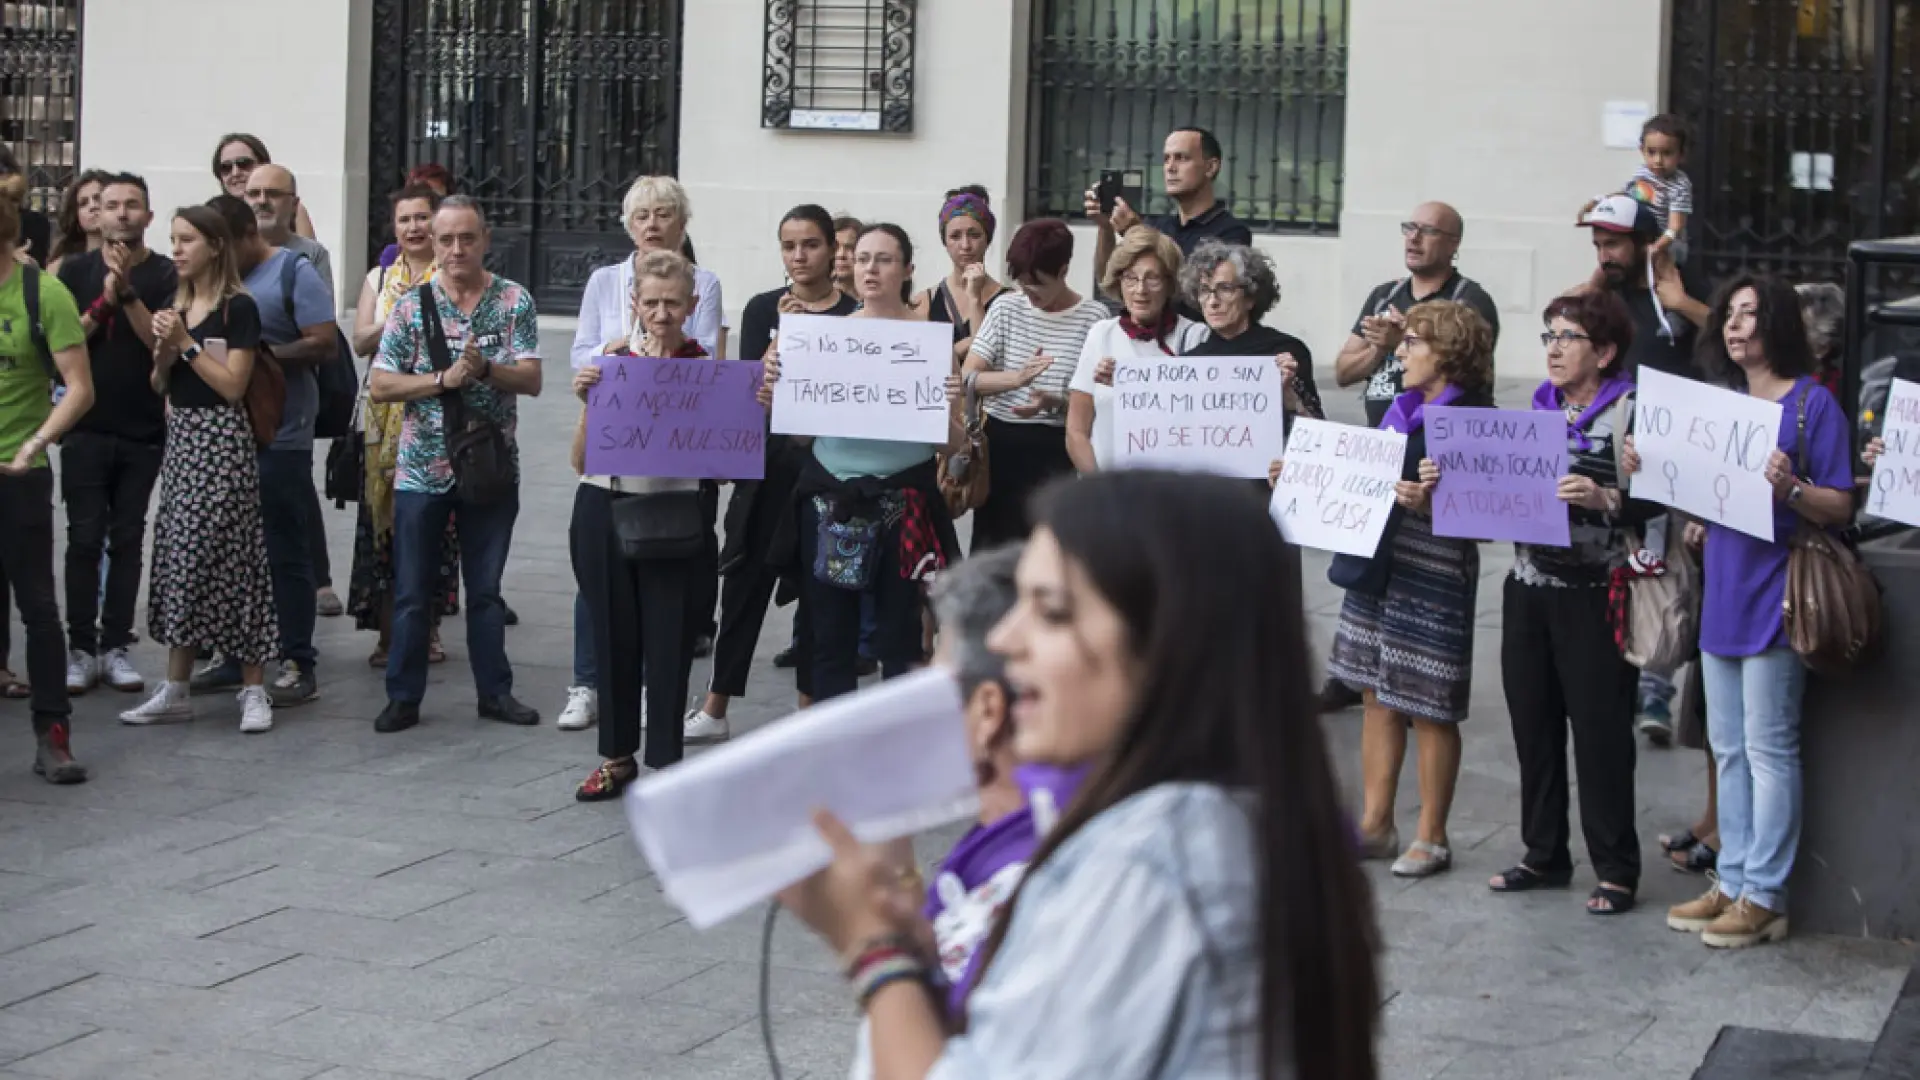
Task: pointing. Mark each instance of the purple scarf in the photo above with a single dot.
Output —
(979, 875)
(1409, 411)
(1547, 399)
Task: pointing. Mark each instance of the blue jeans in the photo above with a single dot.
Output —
(585, 671)
(868, 623)
(836, 615)
(486, 533)
(286, 501)
(1753, 721)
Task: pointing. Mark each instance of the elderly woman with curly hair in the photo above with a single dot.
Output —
(1233, 287)
(1406, 629)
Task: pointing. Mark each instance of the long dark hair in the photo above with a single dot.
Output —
(72, 238)
(1778, 327)
(1240, 714)
(815, 216)
(906, 252)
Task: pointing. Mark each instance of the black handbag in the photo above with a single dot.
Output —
(346, 469)
(1368, 574)
(477, 449)
(659, 525)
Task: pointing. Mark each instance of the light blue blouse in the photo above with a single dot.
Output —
(1132, 953)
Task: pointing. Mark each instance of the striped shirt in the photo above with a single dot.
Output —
(1014, 331)
(1670, 193)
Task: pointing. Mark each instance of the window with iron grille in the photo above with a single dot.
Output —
(1110, 78)
(40, 93)
(838, 65)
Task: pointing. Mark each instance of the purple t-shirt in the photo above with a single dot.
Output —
(1747, 576)
(979, 875)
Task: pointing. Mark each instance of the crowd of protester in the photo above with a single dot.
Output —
(1116, 762)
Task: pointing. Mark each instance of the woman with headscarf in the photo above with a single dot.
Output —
(963, 296)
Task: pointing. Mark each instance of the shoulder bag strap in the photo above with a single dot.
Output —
(289, 272)
(1800, 436)
(36, 331)
(452, 404)
(1387, 300)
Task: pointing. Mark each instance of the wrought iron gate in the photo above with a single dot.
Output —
(543, 110)
(40, 93)
(1805, 128)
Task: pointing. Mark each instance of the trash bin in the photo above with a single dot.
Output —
(1858, 872)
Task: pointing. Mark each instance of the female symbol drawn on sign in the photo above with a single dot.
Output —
(1672, 469)
(1722, 488)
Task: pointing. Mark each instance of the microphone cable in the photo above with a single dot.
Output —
(766, 988)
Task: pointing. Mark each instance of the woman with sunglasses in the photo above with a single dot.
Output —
(234, 159)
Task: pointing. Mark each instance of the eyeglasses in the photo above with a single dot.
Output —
(1410, 340)
(1149, 282)
(269, 193)
(1564, 337)
(1411, 229)
(1226, 290)
(232, 165)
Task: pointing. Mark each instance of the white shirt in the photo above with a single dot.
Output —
(606, 312)
(1014, 330)
(1107, 339)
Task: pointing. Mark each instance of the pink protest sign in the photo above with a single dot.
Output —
(1500, 473)
(692, 419)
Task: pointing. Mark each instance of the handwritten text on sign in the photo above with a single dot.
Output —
(1336, 485)
(1895, 494)
(1217, 414)
(863, 378)
(693, 419)
(1500, 474)
(1704, 450)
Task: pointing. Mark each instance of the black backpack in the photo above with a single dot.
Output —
(339, 381)
(36, 330)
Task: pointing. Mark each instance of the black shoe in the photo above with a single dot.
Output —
(866, 667)
(702, 646)
(784, 658)
(1336, 696)
(397, 716)
(508, 710)
(512, 617)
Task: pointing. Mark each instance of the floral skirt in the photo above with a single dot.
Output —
(210, 582)
(370, 588)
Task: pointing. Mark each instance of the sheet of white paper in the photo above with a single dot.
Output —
(1219, 414)
(1704, 450)
(1620, 123)
(1895, 493)
(729, 828)
(1336, 486)
(863, 378)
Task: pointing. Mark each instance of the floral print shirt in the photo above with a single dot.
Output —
(507, 331)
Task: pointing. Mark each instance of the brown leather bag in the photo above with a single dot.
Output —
(266, 398)
(1832, 602)
(963, 476)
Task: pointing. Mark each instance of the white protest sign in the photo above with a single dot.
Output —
(728, 828)
(1336, 485)
(1704, 450)
(1895, 492)
(1220, 414)
(863, 378)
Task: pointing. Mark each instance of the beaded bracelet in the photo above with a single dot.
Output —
(880, 948)
(871, 977)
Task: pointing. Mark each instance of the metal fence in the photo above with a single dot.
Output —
(40, 92)
(1110, 78)
(543, 110)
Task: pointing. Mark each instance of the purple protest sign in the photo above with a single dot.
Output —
(1500, 473)
(692, 419)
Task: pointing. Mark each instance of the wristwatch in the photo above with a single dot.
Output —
(190, 353)
(1794, 492)
(440, 380)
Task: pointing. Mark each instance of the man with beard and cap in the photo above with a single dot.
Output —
(110, 461)
(1666, 319)
(1659, 295)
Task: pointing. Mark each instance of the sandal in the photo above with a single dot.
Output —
(12, 688)
(1616, 901)
(1698, 860)
(1684, 840)
(1524, 878)
(435, 654)
(607, 781)
(378, 659)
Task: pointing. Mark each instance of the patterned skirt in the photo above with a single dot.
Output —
(210, 582)
(370, 589)
(1413, 646)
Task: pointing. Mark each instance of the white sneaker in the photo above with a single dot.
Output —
(582, 709)
(83, 672)
(170, 704)
(256, 712)
(702, 728)
(119, 672)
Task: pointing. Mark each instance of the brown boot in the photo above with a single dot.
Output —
(1745, 924)
(53, 758)
(1695, 915)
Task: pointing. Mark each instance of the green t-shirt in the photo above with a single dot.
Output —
(26, 379)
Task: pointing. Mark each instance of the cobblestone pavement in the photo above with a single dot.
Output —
(322, 901)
